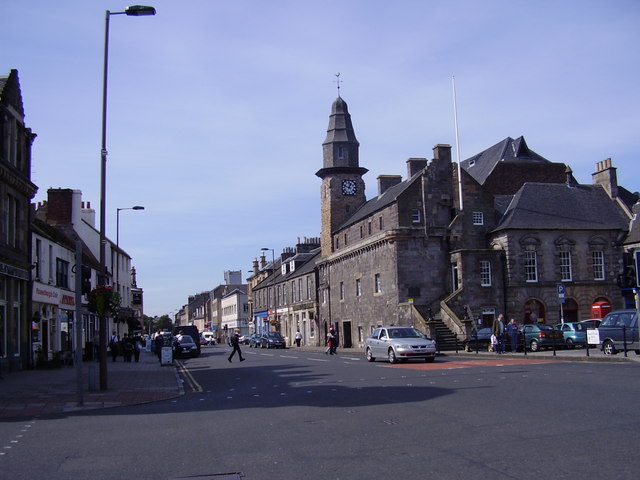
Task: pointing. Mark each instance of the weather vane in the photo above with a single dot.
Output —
(338, 82)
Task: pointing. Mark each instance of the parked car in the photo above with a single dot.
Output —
(185, 347)
(255, 340)
(272, 340)
(618, 327)
(190, 330)
(591, 322)
(399, 343)
(574, 333)
(537, 336)
(479, 339)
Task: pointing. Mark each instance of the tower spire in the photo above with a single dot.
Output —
(338, 82)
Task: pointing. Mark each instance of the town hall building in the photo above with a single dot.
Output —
(454, 246)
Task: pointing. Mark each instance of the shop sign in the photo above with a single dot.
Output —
(12, 271)
(46, 294)
(68, 301)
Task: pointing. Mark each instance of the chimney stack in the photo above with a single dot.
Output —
(606, 176)
(385, 182)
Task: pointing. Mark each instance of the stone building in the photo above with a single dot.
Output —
(452, 245)
(283, 293)
(16, 193)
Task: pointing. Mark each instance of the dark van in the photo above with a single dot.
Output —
(618, 328)
(190, 330)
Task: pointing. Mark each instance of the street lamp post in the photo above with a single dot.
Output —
(136, 11)
(135, 207)
(273, 283)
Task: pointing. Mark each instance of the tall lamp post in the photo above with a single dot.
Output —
(273, 282)
(136, 11)
(135, 207)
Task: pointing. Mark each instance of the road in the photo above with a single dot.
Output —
(287, 414)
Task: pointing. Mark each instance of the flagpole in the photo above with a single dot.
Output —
(455, 121)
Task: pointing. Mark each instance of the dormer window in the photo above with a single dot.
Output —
(472, 163)
(292, 266)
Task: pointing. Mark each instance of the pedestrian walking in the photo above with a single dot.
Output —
(331, 340)
(114, 345)
(512, 331)
(334, 342)
(137, 347)
(235, 343)
(298, 338)
(498, 330)
(127, 348)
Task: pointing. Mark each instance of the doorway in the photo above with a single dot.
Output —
(346, 335)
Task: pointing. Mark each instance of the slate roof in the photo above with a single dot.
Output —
(378, 203)
(554, 206)
(65, 236)
(310, 262)
(10, 93)
(481, 165)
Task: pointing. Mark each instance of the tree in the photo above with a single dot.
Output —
(155, 323)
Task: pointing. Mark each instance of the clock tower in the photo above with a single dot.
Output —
(342, 191)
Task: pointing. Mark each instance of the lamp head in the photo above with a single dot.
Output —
(137, 207)
(139, 10)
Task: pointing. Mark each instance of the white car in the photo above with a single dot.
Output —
(399, 343)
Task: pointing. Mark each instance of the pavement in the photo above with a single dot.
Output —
(43, 392)
(31, 393)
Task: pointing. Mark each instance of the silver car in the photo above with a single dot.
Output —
(399, 343)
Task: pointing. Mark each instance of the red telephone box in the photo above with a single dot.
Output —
(600, 309)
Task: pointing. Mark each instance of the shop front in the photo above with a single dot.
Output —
(52, 322)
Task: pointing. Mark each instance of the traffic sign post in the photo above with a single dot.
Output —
(561, 298)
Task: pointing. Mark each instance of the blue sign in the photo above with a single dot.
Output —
(561, 292)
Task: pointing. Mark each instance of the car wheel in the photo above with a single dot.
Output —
(369, 355)
(392, 356)
(534, 346)
(430, 359)
(570, 343)
(608, 348)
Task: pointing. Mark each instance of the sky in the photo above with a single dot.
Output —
(217, 110)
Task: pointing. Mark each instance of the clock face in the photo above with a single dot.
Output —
(349, 187)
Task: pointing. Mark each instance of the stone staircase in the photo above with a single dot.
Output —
(445, 338)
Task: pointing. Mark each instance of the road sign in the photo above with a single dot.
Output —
(561, 292)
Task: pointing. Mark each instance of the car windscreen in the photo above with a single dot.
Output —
(404, 333)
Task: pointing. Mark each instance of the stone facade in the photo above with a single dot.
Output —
(421, 250)
(16, 193)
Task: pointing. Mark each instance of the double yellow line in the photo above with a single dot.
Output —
(188, 378)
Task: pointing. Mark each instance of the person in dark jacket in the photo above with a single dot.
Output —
(235, 343)
(127, 347)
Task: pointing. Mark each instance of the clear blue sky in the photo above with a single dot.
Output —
(218, 109)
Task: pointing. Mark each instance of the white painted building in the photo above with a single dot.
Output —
(234, 307)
